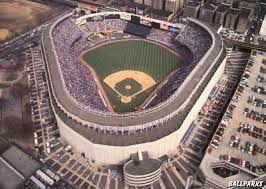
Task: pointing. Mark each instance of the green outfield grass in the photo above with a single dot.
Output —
(137, 55)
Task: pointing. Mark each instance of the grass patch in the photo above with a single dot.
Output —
(137, 55)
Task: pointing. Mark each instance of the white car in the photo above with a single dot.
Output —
(243, 164)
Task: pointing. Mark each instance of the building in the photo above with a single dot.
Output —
(201, 2)
(231, 19)
(167, 5)
(224, 2)
(15, 166)
(247, 4)
(170, 5)
(148, 2)
(173, 5)
(220, 15)
(207, 13)
(138, 1)
(191, 9)
(179, 4)
(242, 24)
(142, 170)
(158, 4)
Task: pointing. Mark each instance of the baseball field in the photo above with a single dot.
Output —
(128, 72)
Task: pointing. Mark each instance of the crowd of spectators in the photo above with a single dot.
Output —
(161, 36)
(191, 43)
(106, 25)
(172, 84)
(197, 39)
(79, 83)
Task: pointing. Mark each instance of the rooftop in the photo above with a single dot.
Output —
(22, 162)
(192, 4)
(9, 179)
(232, 11)
(222, 8)
(143, 167)
(244, 13)
(209, 6)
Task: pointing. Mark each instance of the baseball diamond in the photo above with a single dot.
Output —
(130, 70)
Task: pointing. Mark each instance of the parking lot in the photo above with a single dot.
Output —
(44, 122)
(50, 149)
(186, 161)
(241, 135)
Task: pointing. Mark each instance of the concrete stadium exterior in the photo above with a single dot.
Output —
(110, 138)
(142, 174)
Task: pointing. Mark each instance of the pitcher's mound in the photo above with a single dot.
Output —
(128, 87)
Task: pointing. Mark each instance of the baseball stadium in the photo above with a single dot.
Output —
(122, 83)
